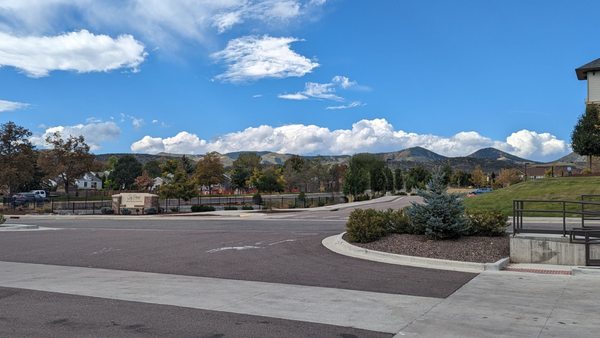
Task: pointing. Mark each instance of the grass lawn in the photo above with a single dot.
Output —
(564, 188)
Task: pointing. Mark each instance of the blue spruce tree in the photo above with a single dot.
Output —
(441, 216)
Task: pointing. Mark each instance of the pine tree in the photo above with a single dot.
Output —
(585, 138)
(398, 179)
(441, 216)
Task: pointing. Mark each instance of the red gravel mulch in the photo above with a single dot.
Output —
(467, 249)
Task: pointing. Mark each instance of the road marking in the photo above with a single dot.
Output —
(237, 248)
(360, 309)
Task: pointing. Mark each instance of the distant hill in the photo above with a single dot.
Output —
(572, 158)
(496, 154)
(415, 154)
(489, 159)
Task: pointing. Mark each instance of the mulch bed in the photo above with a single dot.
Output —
(467, 249)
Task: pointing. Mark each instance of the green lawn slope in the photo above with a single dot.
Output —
(564, 188)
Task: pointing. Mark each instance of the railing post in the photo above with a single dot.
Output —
(514, 218)
(587, 249)
(564, 219)
(582, 212)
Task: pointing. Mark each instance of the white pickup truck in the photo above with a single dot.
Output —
(40, 194)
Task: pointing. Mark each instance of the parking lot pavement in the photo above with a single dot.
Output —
(288, 252)
(27, 313)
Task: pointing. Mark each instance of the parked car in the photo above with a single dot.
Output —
(482, 191)
(25, 198)
(41, 194)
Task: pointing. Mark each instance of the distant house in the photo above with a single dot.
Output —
(89, 181)
(156, 183)
(591, 73)
(552, 170)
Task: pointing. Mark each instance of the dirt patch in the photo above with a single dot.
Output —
(467, 249)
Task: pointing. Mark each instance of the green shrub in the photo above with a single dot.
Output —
(125, 211)
(486, 222)
(230, 207)
(402, 193)
(150, 211)
(321, 204)
(366, 225)
(175, 209)
(247, 207)
(2, 219)
(292, 205)
(202, 208)
(398, 222)
(107, 211)
(360, 198)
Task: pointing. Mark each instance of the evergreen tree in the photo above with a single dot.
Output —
(398, 179)
(389, 179)
(585, 138)
(441, 216)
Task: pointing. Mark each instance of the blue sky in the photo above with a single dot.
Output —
(300, 76)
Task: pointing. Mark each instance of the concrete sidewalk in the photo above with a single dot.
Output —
(515, 304)
(359, 309)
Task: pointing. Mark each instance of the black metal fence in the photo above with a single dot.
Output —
(582, 231)
(175, 205)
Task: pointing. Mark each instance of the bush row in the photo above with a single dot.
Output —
(367, 225)
(202, 208)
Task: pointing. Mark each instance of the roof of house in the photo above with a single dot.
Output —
(588, 67)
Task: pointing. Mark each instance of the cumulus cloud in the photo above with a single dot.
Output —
(81, 51)
(323, 91)
(376, 135)
(256, 57)
(10, 105)
(95, 133)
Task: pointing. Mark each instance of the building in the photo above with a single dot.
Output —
(89, 181)
(591, 73)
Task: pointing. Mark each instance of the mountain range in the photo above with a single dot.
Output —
(490, 159)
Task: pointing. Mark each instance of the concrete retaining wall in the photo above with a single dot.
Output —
(547, 249)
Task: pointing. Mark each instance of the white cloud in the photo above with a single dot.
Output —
(256, 57)
(95, 133)
(161, 22)
(10, 105)
(182, 143)
(325, 91)
(294, 96)
(353, 104)
(343, 81)
(376, 135)
(80, 51)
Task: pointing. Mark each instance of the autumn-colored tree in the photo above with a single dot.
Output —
(210, 171)
(478, 177)
(67, 159)
(144, 181)
(17, 157)
(508, 177)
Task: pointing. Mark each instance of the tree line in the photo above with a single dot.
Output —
(68, 158)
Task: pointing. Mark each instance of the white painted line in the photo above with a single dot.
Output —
(364, 310)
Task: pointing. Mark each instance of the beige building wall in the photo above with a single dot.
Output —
(593, 86)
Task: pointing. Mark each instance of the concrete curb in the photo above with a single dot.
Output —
(585, 271)
(6, 227)
(338, 245)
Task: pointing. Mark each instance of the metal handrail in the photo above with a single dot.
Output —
(519, 209)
